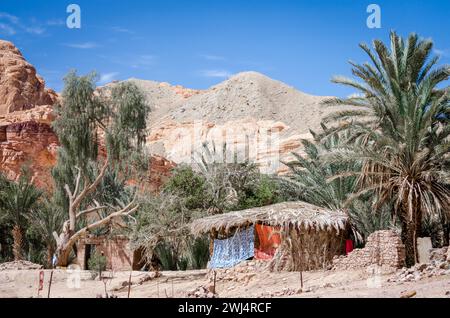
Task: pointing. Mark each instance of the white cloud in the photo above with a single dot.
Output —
(55, 22)
(82, 46)
(144, 60)
(7, 29)
(441, 52)
(210, 57)
(107, 77)
(355, 95)
(34, 27)
(216, 73)
(35, 30)
(11, 18)
(121, 30)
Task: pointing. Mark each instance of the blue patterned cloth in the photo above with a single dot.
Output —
(230, 252)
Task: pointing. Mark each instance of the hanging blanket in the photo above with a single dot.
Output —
(269, 240)
(230, 252)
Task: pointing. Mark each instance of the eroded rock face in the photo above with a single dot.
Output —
(264, 142)
(31, 144)
(20, 87)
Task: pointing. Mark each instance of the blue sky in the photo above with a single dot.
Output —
(200, 43)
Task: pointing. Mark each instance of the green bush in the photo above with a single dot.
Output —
(189, 185)
(97, 263)
(264, 191)
(166, 256)
(199, 253)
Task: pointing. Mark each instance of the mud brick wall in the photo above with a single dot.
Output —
(383, 248)
(117, 251)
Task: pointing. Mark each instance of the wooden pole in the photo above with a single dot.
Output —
(50, 284)
(157, 287)
(301, 278)
(129, 284)
(215, 276)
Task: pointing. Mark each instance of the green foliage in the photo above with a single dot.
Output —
(365, 219)
(401, 131)
(113, 188)
(128, 112)
(167, 257)
(17, 199)
(162, 220)
(213, 187)
(311, 174)
(231, 184)
(189, 185)
(314, 180)
(198, 253)
(78, 119)
(97, 263)
(88, 120)
(45, 219)
(264, 191)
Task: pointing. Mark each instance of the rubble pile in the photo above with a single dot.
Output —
(438, 266)
(202, 292)
(19, 265)
(281, 293)
(242, 273)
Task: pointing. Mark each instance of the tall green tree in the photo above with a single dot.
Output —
(17, 199)
(98, 130)
(313, 180)
(401, 123)
(44, 219)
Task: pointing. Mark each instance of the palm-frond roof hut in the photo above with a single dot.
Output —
(310, 235)
(299, 214)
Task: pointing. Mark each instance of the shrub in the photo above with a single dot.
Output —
(97, 263)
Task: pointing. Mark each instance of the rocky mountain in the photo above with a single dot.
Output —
(260, 119)
(20, 87)
(26, 138)
(251, 113)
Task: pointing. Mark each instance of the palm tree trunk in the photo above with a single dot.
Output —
(409, 238)
(50, 252)
(18, 241)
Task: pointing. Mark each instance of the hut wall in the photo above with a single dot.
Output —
(117, 251)
(308, 249)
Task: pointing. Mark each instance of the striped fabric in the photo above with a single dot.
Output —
(230, 252)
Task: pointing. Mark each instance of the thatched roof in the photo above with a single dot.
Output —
(299, 214)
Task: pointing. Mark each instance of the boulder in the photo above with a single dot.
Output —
(424, 247)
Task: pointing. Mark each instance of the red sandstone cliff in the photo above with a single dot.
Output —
(26, 136)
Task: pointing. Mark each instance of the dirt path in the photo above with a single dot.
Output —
(68, 284)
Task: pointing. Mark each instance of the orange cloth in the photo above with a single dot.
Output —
(268, 241)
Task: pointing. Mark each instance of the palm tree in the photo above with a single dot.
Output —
(46, 219)
(312, 180)
(226, 178)
(17, 199)
(402, 132)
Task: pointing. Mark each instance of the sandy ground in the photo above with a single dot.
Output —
(67, 284)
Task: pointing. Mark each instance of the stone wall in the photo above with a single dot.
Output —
(119, 256)
(383, 248)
